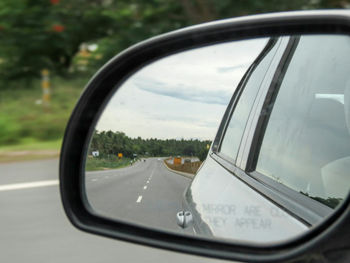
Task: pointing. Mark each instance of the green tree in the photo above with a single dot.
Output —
(112, 143)
(36, 34)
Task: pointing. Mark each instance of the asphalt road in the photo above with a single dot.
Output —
(34, 228)
(145, 193)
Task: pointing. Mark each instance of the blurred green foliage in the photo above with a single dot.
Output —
(23, 116)
(38, 34)
(9, 130)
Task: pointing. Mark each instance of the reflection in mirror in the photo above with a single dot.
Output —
(148, 161)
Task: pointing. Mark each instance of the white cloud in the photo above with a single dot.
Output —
(182, 95)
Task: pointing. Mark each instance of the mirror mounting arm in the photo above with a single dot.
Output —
(184, 219)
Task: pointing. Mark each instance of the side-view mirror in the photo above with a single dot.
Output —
(229, 139)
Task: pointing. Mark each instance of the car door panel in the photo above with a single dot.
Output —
(232, 209)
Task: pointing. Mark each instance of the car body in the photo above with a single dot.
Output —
(266, 176)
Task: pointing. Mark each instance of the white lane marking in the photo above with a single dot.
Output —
(94, 180)
(194, 230)
(145, 187)
(147, 182)
(139, 199)
(150, 177)
(8, 187)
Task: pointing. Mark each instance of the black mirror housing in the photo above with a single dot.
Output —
(328, 241)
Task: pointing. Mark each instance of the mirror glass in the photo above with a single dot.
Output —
(165, 155)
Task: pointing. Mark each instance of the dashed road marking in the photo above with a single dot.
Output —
(139, 199)
(194, 230)
(94, 180)
(145, 187)
(8, 187)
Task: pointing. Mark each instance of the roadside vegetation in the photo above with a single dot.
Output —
(111, 162)
(25, 120)
(30, 130)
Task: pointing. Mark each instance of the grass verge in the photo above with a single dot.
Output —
(28, 150)
(98, 164)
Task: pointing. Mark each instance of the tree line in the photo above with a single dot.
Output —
(111, 143)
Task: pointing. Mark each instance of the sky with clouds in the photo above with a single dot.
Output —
(180, 96)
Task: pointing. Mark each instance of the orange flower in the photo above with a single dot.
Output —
(58, 28)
